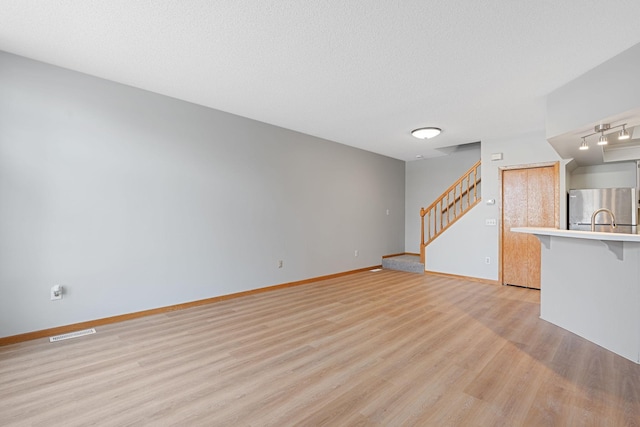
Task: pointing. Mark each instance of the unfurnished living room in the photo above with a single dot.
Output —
(264, 213)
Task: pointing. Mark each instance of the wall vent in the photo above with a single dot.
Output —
(72, 335)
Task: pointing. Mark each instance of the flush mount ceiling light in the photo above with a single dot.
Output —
(603, 140)
(426, 133)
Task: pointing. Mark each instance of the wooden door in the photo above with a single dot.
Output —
(529, 199)
(515, 251)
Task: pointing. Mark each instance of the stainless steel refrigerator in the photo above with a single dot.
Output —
(623, 202)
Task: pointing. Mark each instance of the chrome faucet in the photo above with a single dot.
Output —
(593, 218)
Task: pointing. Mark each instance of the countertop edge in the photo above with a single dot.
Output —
(575, 234)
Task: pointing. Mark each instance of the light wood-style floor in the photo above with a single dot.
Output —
(374, 348)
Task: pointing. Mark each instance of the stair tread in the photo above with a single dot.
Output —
(406, 258)
(409, 263)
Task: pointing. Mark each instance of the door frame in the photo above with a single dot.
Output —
(556, 176)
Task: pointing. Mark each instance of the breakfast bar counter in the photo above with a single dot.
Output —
(590, 285)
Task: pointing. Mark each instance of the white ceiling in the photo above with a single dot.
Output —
(360, 72)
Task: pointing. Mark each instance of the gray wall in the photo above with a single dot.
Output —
(610, 175)
(133, 200)
(426, 180)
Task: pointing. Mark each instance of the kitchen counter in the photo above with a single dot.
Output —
(590, 235)
(590, 285)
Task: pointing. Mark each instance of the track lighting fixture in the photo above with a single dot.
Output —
(603, 139)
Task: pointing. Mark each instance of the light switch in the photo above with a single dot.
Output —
(490, 221)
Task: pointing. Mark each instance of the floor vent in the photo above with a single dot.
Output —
(375, 270)
(72, 335)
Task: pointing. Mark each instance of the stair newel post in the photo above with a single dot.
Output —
(422, 213)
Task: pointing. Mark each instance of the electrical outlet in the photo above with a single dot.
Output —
(487, 260)
(355, 253)
(387, 211)
(280, 263)
(56, 292)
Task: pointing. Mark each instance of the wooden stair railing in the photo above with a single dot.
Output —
(452, 204)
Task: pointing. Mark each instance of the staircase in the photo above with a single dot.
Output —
(457, 200)
(452, 204)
